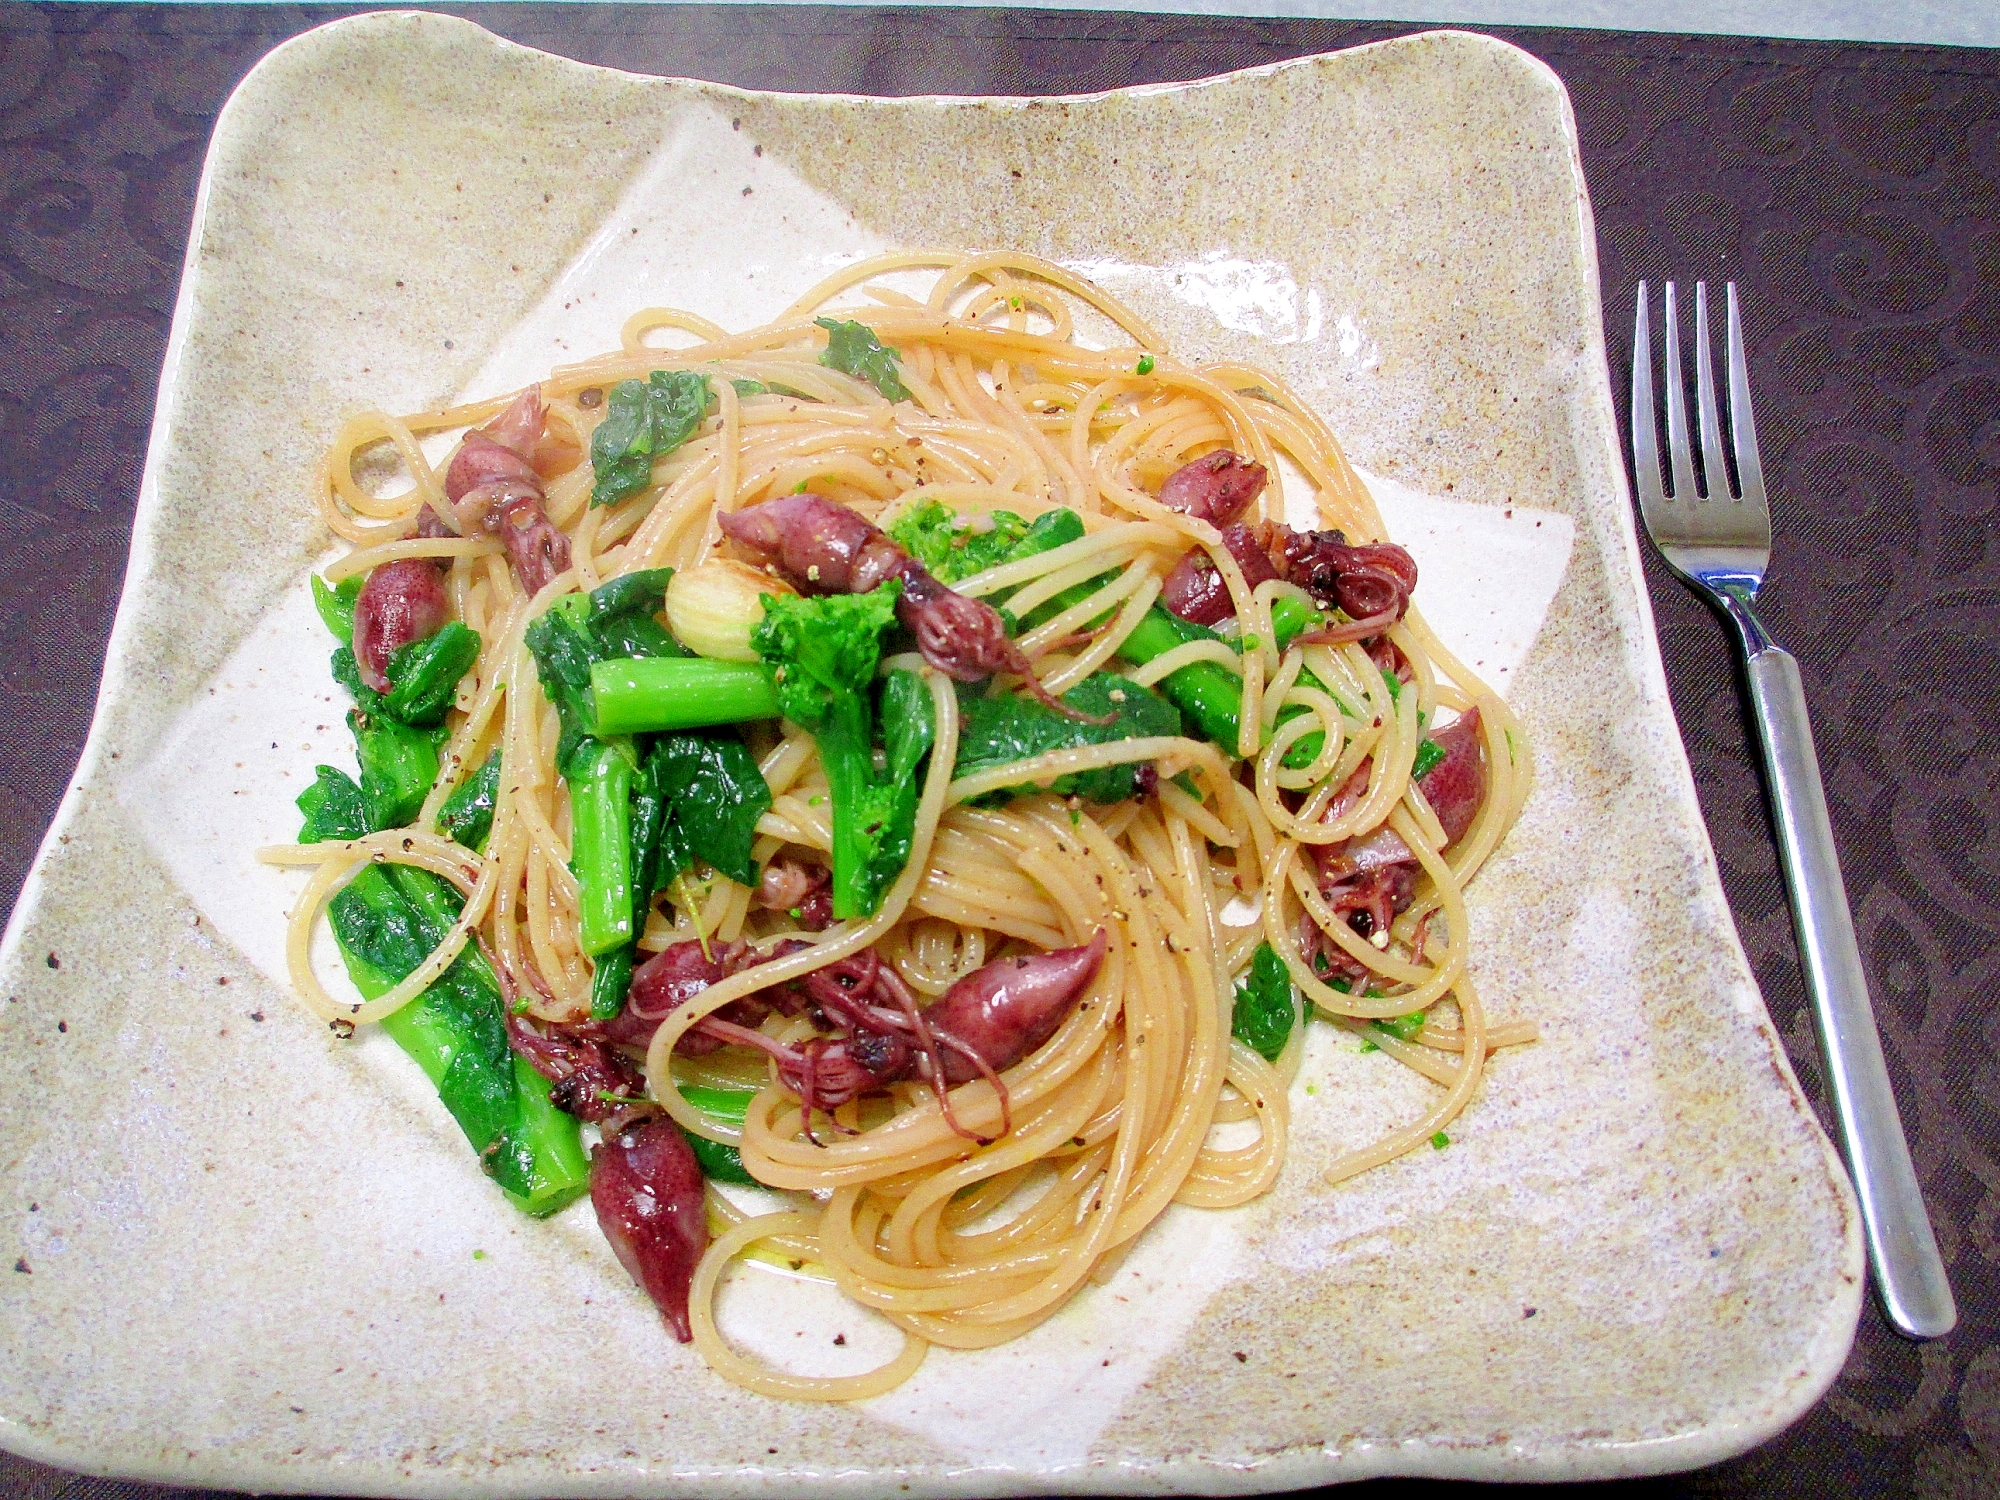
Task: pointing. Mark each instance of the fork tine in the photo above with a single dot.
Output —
(1679, 453)
(1714, 475)
(1645, 423)
(1742, 421)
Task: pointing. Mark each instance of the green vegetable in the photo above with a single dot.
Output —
(333, 807)
(564, 652)
(722, 1162)
(712, 794)
(640, 593)
(610, 982)
(934, 534)
(1145, 365)
(580, 631)
(386, 920)
(643, 422)
(347, 673)
(399, 764)
(1440, 1141)
(1429, 753)
(467, 814)
(1208, 693)
(546, 1147)
(1402, 1028)
(749, 387)
(999, 731)
(423, 675)
(600, 799)
(639, 696)
(621, 616)
(1264, 1004)
(853, 349)
(336, 605)
(824, 652)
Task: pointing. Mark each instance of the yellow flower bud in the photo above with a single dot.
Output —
(713, 607)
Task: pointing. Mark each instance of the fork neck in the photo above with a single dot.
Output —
(1734, 596)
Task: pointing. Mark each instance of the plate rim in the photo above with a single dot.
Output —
(1291, 1468)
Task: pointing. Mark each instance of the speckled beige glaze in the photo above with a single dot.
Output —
(217, 1209)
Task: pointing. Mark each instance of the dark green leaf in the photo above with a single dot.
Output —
(348, 674)
(642, 592)
(853, 349)
(467, 814)
(399, 764)
(998, 731)
(643, 422)
(610, 982)
(909, 725)
(636, 635)
(423, 675)
(714, 795)
(333, 807)
(563, 652)
(336, 605)
(721, 1162)
(1263, 1015)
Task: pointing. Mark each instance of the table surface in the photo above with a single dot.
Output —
(1853, 192)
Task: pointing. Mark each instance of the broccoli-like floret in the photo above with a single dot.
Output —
(825, 652)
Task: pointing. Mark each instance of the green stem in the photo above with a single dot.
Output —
(849, 760)
(1208, 692)
(600, 799)
(637, 695)
(560, 1168)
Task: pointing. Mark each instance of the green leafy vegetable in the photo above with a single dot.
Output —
(953, 547)
(1145, 365)
(399, 764)
(1264, 1004)
(333, 807)
(641, 593)
(712, 794)
(610, 982)
(1429, 753)
(467, 814)
(423, 675)
(1440, 1141)
(1402, 1028)
(336, 605)
(853, 349)
(824, 653)
(386, 920)
(643, 421)
(722, 1162)
(347, 673)
(999, 731)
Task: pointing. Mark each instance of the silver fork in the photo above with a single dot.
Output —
(1721, 545)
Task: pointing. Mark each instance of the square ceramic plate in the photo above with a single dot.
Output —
(251, 1255)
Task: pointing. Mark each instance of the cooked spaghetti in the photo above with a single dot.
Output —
(1195, 776)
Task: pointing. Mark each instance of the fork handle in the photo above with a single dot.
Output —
(1909, 1273)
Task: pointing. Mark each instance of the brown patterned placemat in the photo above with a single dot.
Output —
(1854, 193)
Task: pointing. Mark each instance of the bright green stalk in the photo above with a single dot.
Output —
(600, 799)
(559, 1168)
(639, 695)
